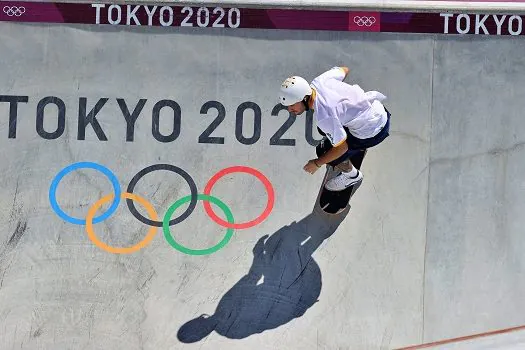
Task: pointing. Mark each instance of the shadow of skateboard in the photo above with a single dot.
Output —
(335, 202)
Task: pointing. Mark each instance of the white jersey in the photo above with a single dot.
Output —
(337, 104)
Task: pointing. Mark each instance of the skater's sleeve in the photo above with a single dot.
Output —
(338, 73)
(334, 130)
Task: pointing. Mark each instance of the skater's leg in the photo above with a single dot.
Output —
(350, 176)
(348, 173)
(343, 162)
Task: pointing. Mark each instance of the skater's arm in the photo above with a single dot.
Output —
(332, 154)
(338, 73)
(336, 135)
(346, 70)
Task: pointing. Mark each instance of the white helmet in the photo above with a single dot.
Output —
(293, 90)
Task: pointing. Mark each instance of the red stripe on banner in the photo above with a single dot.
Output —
(296, 19)
(236, 18)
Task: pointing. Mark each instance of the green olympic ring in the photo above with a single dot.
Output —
(180, 247)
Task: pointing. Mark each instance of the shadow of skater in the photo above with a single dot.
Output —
(282, 283)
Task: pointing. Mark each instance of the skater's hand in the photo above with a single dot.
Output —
(311, 167)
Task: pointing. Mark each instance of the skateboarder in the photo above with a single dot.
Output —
(350, 118)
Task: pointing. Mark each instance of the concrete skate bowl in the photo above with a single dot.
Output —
(430, 248)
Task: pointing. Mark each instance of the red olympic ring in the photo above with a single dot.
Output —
(241, 169)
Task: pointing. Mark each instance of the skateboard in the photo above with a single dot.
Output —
(334, 202)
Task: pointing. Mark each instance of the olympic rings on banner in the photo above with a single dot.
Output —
(153, 220)
(364, 20)
(14, 10)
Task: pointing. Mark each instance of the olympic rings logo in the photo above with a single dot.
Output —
(153, 219)
(14, 11)
(364, 21)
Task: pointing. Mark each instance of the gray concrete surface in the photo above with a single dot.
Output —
(431, 248)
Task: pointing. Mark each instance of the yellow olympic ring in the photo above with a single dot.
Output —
(93, 237)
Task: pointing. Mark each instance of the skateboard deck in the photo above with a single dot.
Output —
(334, 202)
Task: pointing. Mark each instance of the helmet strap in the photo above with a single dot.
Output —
(306, 102)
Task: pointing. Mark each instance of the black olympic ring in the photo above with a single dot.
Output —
(169, 167)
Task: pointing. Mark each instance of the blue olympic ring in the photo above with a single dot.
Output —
(72, 167)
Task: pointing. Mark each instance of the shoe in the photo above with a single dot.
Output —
(343, 181)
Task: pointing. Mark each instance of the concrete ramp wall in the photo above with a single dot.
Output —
(430, 249)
